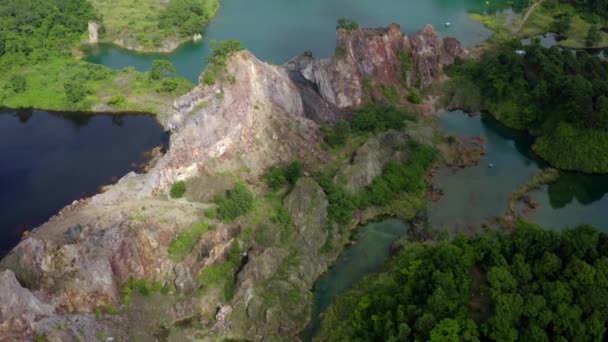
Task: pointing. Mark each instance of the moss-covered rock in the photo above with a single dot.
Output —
(371, 157)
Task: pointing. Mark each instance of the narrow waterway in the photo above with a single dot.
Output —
(365, 256)
(48, 160)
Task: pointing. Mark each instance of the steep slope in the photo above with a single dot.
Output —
(382, 57)
(254, 117)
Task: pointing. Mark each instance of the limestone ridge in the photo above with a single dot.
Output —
(373, 54)
(255, 116)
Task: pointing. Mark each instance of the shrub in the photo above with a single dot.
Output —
(390, 93)
(414, 96)
(117, 100)
(347, 24)
(341, 203)
(294, 171)
(405, 61)
(375, 118)
(216, 62)
(221, 52)
(168, 85)
(211, 213)
(234, 203)
(74, 91)
(401, 177)
(276, 177)
(180, 246)
(593, 36)
(143, 286)
(161, 68)
(338, 135)
(17, 83)
(208, 78)
(178, 189)
(214, 274)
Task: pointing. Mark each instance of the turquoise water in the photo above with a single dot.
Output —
(276, 30)
(476, 193)
(369, 253)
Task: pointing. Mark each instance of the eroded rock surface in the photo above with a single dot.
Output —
(19, 308)
(254, 117)
(273, 297)
(386, 56)
(370, 159)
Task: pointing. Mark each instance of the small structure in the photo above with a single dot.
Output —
(520, 52)
(448, 24)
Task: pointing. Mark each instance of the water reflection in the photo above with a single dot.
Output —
(47, 160)
(276, 30)
(477, 193)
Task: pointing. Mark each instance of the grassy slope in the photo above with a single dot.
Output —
(45, 88)
(540, 22)
(139, 21)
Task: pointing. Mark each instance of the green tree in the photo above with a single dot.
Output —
(338, 135)
(593, 36)
(562, 24)
(448, 330)
(294, 171)
(161, 68)
(178, 189)
(74, 91)
(168, 85)
(234, 203)
(414, 96)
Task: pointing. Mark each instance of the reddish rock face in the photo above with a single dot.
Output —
(257, 117)
(378, 55)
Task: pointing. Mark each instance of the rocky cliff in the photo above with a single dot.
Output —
(257, 116)
(386, 57)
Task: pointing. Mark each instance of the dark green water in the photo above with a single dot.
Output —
(471, 196)
(367, 255)
(476, 193)
(276, 30)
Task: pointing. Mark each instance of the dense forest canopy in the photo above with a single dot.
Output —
(533, 285)
(556, 94)
(597, 7)
(187, 16)
(36, 29)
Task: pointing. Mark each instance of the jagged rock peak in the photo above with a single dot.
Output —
(384, 56)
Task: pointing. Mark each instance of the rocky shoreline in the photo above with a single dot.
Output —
(62, 273)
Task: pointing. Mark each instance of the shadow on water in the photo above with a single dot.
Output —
(477, 193)
(48, 160)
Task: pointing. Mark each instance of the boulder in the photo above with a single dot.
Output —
(307, 205)
(370, 159)
(19, 309)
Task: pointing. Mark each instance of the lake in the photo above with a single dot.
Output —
(476, 193)
(276, 30)
(48, 160)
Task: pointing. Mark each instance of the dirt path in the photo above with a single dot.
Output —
(526, 16)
